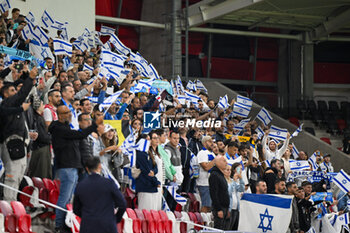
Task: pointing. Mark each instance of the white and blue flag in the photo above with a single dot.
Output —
(112, 60)
(342, 180)
(58, 25)
(260, 132)
(30, 18)
(143, 145)
(152, 72)
(241, 110)
(200, 86)
(87, 67)
(107, 31)
(223, 103)
(297, 131)
(143, 84)
(192, 98)
(178, 198)
(295, 151)
(298, 165)
(62, 47)
(191, 86)
(240, 126)
(140, 63)
(110, 99)
(27, 32)
(265, 213)
(46, 19)
(2, 168)
(179, 86)
(40, 52)
(40, 35)
(278, 133)
(5, 6)
(119, 46)
(313, 162)
(244, 101)
(264, 116)
(82, 46)
(108, 174)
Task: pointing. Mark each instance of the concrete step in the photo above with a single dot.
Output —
(322, 133)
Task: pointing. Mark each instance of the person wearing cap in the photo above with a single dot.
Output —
(270, 148)
(206, 161)
(326, 165)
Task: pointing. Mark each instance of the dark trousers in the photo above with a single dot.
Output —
(222, 223)
(234, 219)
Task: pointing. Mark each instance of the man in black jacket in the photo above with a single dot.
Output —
(219, 194)
(97, 208)
(14, 129)
(270, 175)
(65, 142)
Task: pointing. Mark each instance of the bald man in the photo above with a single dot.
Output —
(65, 142)
(219, 194)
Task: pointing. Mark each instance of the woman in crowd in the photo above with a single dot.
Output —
(136, 126)
(146, 184)
(237, 187)
(153, 149)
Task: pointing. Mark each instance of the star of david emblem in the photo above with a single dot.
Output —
(298, 163)
(32, 20)
(151, 73)
(41, 36)
(114, 59)
(61, 45)
(262, 218)
(46, 18)
(241, 110)
(344, 181)
(341, 218)
(244, 101)
(278, 132)
(27, 31)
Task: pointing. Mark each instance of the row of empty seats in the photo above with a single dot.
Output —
(13, 218)
(144, 221)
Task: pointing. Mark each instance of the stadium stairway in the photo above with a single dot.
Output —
(304, 141)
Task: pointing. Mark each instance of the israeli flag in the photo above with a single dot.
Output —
(107, 31)
(86, 33)
(298, 165)
(97, 39)
(2, 168)
(295, 151)
(241, 110)
(119, 46)
(143, 145)
(58, 25)
(223, 103)
(62, 47)
(5, 6)
(66, 63)
(260, 132)
(311, 230)
(143, 84)
(47, 19)
(265, 213)
(112, 60)
(297, 131)
(231, 161)
(200, 86)
(278, 133)
(240, 126)
(244, 101)
(87, 67)
(64, 34)
(107, 46)
(152, 72)
(348, 205)
(81, 46)
(178, 198)
(27, 32)
(264, 116)
(40, 35)
(179, 86)
(40, 52)
(192, 98)
(108, 174)
(111, 99)
(191, 86)
(313, 162)
(30, 18)
(342, 180)
(341, 220)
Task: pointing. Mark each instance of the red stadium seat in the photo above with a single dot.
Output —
(294, 121)
(57, 184)
(136, 223)
(326, 140)
(131, 198)
(53, 194)
(341, 125)
(183, 226)
(158, 224)
(160, 221)
(194, 204)
(146, 226)
(10, 219)
(24, 220)
(120, 226)
(193, 218)
(168, 224)
(199, 218)
(24, 199)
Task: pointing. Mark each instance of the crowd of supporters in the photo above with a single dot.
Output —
(50, 126)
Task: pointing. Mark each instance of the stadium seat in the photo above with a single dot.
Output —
(333, 106)
(193, 218)
(183, 226)
(24, 199)
(211, 219)
(194, 204)
(341, 125)
(199, 218)
(57, 184)
(322, 106)
(187, 218)
(53, 194)
(327, 140)
(120, 226)
(294, 121)
(24, 220)
(301, 106)
(158, 223)
(131, 198)
(43, 191)
(332, 126)
(205, 219)
(311, 106)
(2, 223)
(128, 223)
(176, 224)
(168, 224)
(146, 226)
(316, 117)
(10, 219)
(136, 223)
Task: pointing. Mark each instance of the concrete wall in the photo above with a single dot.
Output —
(78, 13)
(304, 141)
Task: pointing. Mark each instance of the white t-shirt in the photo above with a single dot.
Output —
(47, 114)
(203, 174)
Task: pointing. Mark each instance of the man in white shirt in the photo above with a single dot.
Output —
(271, 150)
(326, 166)
(50, 113)
(206, 160)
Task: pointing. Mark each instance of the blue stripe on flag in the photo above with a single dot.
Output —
(266, 199)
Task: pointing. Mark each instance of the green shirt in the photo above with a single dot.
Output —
(169, 168)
